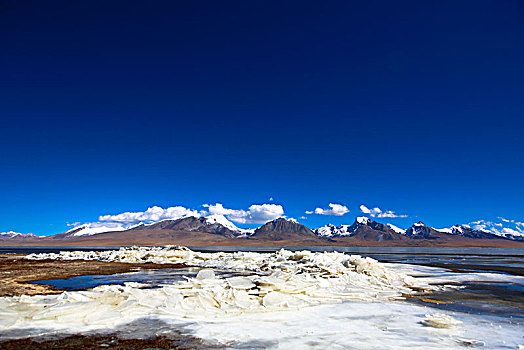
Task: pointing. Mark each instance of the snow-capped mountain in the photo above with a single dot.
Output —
(331, 230)
(222, 220)
(363, 228)
(481, 229)
(419, 230)
(216, 224)
(467, 231)
(504, 228)
(510, 229)
(12, 234)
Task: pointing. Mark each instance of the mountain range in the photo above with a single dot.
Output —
(216, 230)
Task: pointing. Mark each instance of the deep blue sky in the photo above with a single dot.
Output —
(112, 106)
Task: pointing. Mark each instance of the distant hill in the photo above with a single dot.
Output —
(282, 229)
(15, 235)
(420, 231)
(466, 231)
(192, 224)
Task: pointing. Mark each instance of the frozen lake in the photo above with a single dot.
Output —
(481, 289)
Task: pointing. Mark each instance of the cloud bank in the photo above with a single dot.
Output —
(256, 214)
(151, 215)
(377, 212)
(335, 209)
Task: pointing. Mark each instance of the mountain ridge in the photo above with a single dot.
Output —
(216, 229)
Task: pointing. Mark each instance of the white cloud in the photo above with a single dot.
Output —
(391, 214)
(336, 210)
(377, 212)
(372, 212)
(256, 214)
(152, 214)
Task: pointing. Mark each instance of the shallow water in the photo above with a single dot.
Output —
(153, 278)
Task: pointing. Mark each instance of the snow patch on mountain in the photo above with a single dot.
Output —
(94, 228)
(454, 230)
(447, 230)
(222, 220)
(396, 229)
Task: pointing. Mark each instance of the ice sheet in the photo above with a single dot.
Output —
(361, 325)
(290, 300)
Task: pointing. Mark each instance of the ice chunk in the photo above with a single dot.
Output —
(240, 283)
(274, 299)
(205, 274)
(439, 320)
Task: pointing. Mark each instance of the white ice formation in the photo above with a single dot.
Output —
(439, 320)
(283, 300)
(272, 281)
